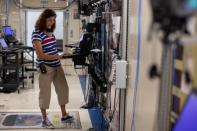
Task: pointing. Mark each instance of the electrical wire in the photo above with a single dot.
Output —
(127, 34)
(115, 105)
(138, 67)
(22, 6)
(116, 101)
(115, 57)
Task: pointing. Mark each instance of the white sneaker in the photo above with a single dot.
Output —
(47, 124)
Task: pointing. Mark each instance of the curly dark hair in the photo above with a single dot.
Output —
(41, 22)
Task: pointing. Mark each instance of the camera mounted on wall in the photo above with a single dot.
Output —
(172, 15)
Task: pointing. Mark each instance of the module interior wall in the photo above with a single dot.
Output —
(50, 4)
(17, 16)
(148, 89)
(14, 17)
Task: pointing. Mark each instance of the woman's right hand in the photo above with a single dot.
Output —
(65, 55)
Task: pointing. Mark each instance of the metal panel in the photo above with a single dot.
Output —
(124, 57)
(165, 88)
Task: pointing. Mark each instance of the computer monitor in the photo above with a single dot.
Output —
(188, 118)
(86, 43)
(9, 34)
(7, 30)
(13, 32)
(81, 37)
(3, 43)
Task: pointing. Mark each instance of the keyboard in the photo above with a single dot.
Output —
(11, 39)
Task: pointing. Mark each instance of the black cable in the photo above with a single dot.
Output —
(114, 109)
(109, 96)
(115, 96)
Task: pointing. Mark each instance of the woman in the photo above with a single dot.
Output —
(44, 43)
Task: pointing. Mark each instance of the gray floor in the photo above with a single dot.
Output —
(27, 100)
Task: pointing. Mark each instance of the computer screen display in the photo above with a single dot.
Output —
(13, 33)
(7, 30)
(3, 43)
(81, 37)
(86, 43)
(188, 118)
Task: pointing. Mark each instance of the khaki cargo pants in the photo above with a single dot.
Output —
(57, 76)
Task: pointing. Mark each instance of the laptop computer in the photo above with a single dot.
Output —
(9, 36)
(5, 46)
(188, 118)
(3, 43)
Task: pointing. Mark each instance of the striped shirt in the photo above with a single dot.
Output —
(49, 47)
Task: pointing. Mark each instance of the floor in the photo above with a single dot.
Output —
(27, 100)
